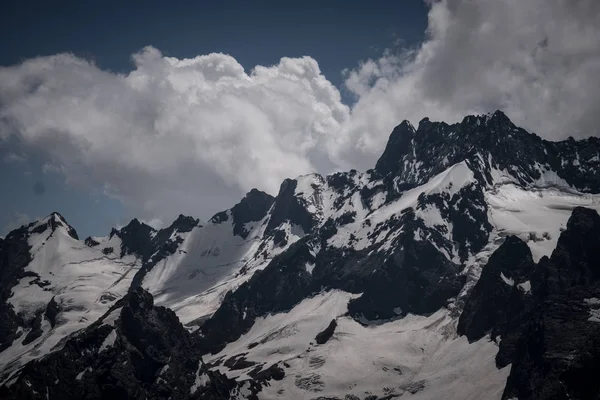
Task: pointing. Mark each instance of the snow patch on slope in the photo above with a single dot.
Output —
(109, 341)
(535, 216)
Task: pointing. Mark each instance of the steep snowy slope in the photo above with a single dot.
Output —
(65, 287)
(217, 257)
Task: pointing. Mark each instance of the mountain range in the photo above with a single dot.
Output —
(464, 265)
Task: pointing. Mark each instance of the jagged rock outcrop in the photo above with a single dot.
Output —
(253, 207)
(155, 246)
(412, 156)
(136, 350)
(501, 301)
(544, 315)
(279, 290)
(558, 353)
(290, 208)
(14, 257)
(281, 285)
(326, 334)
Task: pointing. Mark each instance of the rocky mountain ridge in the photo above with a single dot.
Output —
(269, 288)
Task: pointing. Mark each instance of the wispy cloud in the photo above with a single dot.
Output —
(14, 158)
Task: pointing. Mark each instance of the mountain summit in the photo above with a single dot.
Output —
(462, 266)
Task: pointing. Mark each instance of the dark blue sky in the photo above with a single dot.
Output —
(338, 34)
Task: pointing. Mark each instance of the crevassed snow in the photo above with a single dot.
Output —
(534, 215)
(413, 354)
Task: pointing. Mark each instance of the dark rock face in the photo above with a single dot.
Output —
(14, 256)
(467, 209)
(558, 355)
(152, 246)
(501, 301)
(289, 208)
(135, 238)
(415, 278)
(497, 297)
(143, 353)
(279, 287)
(326, 334)
(253, 207)
(90, 242)
(52, 310)
(413, 157)
(544, 313)
(398, 144)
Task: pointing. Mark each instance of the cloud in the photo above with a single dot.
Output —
(538, 60)
(39, 188)
(154, 223)
(49, 168)
(16, 220)
(14, 158)
(174, 135)
(191, 135)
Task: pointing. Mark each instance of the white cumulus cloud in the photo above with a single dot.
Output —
(537, 60)
(174, 135)
(191, 135)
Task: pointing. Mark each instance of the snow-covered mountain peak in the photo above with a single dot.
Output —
(250, 211)
(493, 146)
(52, 223)
(281, 290)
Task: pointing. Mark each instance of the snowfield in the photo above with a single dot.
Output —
(83, 281)
(420, 356)
(210, 262)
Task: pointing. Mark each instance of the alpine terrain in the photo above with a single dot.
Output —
(464, 265)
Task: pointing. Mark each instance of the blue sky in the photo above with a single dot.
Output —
(113, 110)
(337, 34)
